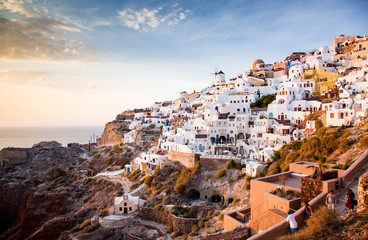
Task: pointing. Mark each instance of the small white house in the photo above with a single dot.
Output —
(126, 204)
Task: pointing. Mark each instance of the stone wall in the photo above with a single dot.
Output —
(363, 193)
(266, 220)
(183, 225)
(236, 234)
(355, 168)
(180, 225)
(162, 217)
(311, 188)
(186, 159)
(213, 163)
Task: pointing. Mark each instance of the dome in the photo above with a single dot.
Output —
(257, 63)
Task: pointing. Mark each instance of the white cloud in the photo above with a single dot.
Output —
(31, 34)
(17, 6)
(149, 19)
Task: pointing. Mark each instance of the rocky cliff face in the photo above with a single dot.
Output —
(113, 133)
(46, 194)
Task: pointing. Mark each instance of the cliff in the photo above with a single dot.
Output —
(113, 133)
(47, 194)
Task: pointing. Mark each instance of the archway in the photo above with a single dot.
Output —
(230, 200)
(240, 136)
(194, 194)
(222, 140)
(216, 198)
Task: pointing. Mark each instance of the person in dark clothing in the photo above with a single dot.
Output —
(307, 210)
(350, 200)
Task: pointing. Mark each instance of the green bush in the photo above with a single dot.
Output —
(208, 176)
(221, 217)
(220, 173)
(59, 173)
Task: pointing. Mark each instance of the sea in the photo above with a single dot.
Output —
(25, 137)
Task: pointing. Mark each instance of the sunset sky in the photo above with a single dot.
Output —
(81, 62)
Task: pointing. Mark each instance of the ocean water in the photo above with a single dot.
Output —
(27, 136)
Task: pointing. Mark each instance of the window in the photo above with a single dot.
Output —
(120, 209)
(125, 204)
(130, 208)
(332, 115)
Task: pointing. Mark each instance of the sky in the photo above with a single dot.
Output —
(68, 62)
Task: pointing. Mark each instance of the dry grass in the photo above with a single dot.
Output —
(323, 223)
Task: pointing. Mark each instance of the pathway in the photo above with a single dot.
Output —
(341, 209)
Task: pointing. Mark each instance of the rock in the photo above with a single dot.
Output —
(47, 144)
(113, 133)
(363, 193)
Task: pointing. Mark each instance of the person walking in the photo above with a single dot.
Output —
(307, 210)
(331, 200)
(350, 201)
(292, 222)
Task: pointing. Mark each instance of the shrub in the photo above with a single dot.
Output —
(221, 217)
(216, 213)
(104, 212)
(166, 200)
(238, 166)
(59, 173)
(207, 225)
(159, 207)
(220, 173)
(200, 224)
(208, 176)
(230, 164)
(119, 193)
(91, 228)
(85, 223)
(194, 230)
(363, 142)
(170, 229)
(147, 181)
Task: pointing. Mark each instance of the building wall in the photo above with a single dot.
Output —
(232, 220)
(186, 159)
(257, 189)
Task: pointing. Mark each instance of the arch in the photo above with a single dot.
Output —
(230, 200)
(216, 198)
(232, 140)
(213, 140)
(222, 139)
(241, 136)
(270, 115)
(281, 101)
(193, 194)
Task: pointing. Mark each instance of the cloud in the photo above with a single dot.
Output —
(149, 19)
(42, 79)
(17, 6)
(34, 35)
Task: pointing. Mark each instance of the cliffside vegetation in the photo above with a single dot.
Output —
(264, 101)
(332, 143)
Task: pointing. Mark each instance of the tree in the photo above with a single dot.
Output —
(320, 160)
(283, 180)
